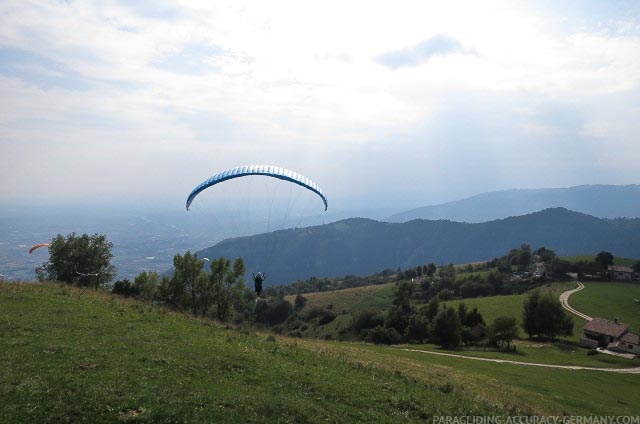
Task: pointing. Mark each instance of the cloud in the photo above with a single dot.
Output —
(165, 96)
(438, 45)
(191, 59)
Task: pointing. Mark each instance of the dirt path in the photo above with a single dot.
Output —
(564, 299)
(635, 370)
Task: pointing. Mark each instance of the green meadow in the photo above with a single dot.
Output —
(610, 300)
(93, 357)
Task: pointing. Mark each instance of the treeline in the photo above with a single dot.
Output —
(315, 285)
(219, 292)
(409, 321)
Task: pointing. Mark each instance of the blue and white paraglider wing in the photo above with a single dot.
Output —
(266, 170)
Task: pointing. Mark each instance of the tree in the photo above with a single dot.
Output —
(636, 266)
(402, 309)
(604, 259)
(544, 316)
(84, 261)
(446, 329)
(447, 276)
(300, 302)
(273, 311)
(186, 270)
(524, 256)
(224, 278)
(417, 328)
(504, 329)
(432, 308)
(146, 285)
(124, 288)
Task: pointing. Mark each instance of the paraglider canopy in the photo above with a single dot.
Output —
(266, 170)
(37, 246)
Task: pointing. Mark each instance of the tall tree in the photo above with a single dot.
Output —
(81, 260)
(186, 270)
(224, 278)
(604, 259)
(544, 316)
(504, 329)
(447, 328)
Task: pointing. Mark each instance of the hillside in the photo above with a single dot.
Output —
(97, 358)
(94, 357)
(363, 246)
(603, 201)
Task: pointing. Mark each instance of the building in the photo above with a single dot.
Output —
(613, 335)
(619, 272)
(628, 343)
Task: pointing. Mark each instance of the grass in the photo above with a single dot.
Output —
(523, 390)
(553, 353)
(610, 300)
(588, 258)
(510, 305)
(99, 358)
(351, 300)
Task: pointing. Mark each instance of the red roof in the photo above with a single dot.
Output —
(606, 327)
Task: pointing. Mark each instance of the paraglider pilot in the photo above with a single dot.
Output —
(258, 279)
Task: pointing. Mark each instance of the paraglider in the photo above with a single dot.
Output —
(37, 246)
(266, 170)
(275, 172)
(257, 280)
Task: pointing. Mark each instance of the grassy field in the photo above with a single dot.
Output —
(351, 300)
(99, 358)
(610, 300)
(587, 258)
(557, 353)
(519, 389)
(513, 305)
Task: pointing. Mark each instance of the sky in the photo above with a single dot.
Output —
(382, 104)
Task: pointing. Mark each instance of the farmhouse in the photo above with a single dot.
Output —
(619, 272)
(610, 334)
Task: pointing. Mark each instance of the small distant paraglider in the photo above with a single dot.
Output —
(37, 246)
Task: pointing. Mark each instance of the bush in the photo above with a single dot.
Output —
(365, 319)
(300, 302)
(124, 288)
(382, 335)
(273, 312)
(325, 316)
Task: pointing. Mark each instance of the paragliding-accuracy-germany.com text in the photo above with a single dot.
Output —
(537, 419)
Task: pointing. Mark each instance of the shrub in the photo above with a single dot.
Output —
(124, 288)
(325, 316)
(383, 335)
(367, 318)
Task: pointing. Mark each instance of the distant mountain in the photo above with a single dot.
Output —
(362, 246)
(603, 201)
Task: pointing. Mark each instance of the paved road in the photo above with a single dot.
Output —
(564, 299)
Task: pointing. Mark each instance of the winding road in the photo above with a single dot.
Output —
(564, 299)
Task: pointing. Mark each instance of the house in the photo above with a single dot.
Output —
(628, 343)
(613, 335)
(619, 272)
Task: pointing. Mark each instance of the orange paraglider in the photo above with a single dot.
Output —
(38, 246)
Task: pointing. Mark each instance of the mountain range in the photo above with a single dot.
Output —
(603, 201)
(361, 246)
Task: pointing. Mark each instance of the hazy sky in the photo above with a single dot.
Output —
(400, 103)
